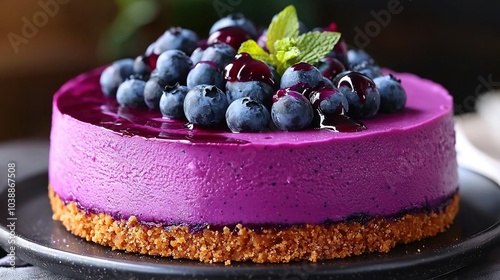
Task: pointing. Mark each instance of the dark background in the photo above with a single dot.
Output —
(455, 43)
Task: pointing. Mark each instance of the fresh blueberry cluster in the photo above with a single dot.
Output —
(211, 85)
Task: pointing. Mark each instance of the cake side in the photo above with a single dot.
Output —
(403, 161)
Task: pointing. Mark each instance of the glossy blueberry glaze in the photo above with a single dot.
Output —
(330, 67)
(357, 83)
(339, 123)
(302, 67)
(91, 106)
(244, 69)
(233, 36)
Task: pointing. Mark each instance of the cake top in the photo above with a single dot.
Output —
(241, 86)
(81, 99)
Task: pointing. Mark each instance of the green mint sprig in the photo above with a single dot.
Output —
(285, 45)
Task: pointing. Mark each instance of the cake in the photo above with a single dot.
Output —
(129, 178)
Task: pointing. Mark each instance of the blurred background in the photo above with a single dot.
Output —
(46, 42)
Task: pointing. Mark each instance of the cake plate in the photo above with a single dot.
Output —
(46, 243)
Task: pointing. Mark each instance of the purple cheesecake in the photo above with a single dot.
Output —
(127, 178)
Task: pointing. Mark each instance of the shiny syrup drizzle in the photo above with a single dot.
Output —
(358, 83)
(330, 67)
(86, 103)
(233, 36)
(302, 66)
(340, 123)
(244, 69)
(337, 121)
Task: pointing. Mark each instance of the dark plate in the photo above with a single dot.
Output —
(45, 243)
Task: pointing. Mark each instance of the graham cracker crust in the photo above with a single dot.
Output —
(311, 242)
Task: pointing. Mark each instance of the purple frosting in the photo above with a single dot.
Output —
(125, 162)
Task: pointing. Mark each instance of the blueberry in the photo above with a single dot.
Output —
(392, 94)
(247, 115)
(330, 101)
(221, 54)
(141, 66)
(153, 91)
(325, 83)
(205, 105)
(339, 76)
(255, 90)
(151, 57)
(372, 72)
(276, 76)
(301, 72)
(233, 36)
(292, 112)
(115, 74)
(125, 65)
(356, 57)
(173, 67)
(280, 93)
(131, 93)
(340, 52)
(177, 38)
(237, 20)
(369, 69)
(361, 93)
(197, 54)
(244, 68)
(300, 87)
(172, 101)
(150, 49)
(330, 67)
(206, 73)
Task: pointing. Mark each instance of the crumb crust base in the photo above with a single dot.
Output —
(270, 245)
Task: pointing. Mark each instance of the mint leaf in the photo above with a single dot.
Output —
(253, 49)
(284, 25)
(286, 54)
(285, 45)
(315, 45)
